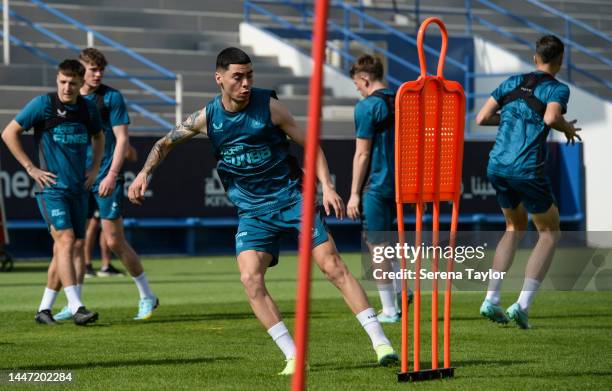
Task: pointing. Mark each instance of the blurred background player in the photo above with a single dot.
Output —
(248, 129)
(63, 122)
(91, 235)
(107, 189)
(373, 185)
(531, 105)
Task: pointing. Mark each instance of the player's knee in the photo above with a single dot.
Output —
(79, 244)
(516, 233)
(114, 242)
(517, 224)
(252, 282)
(550, 234)
(65, 241)
(334, 269)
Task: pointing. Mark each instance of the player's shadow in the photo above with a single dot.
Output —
(556, 375)
(28, 269)
(220, 316)
(129, 363)
(424, 364)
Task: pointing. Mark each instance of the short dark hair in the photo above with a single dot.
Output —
(549, 48)
(93, 56)
(231, 55)
(71, 68)
(368, 64)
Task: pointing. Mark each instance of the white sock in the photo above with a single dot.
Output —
(370, 324)
(74, 301)
(493, 292)
(48, 299)
(281, 336)
(79, 288)
(387, 299)
(143, 286)
(530, 287)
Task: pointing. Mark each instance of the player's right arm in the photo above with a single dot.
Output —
(10, 136)
(361, 161)
(488, 115)
(189, 128)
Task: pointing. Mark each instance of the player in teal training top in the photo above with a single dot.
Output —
(63, 122)
(107, 192)
(529, 106)
(248, 128)
(373, 185)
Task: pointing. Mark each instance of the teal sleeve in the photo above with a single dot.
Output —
(33, 112)
(504, 88)
(118, 109)
(368, 113)
(560, 95)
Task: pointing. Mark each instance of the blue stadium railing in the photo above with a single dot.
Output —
(570, 25)
(352, 32)
(160, 73)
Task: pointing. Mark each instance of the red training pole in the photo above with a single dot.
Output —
(310, 160)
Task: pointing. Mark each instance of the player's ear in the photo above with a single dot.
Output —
(366, 81)
(218, 78)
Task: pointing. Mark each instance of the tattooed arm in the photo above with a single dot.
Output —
(191, 127)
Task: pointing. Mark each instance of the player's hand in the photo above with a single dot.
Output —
(570, 134)
(42, 177)
(352, 208)
(331, 199)
(90, 178)
(107, 186)
(138, 188)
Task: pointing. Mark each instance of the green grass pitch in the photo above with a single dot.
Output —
(204, 336)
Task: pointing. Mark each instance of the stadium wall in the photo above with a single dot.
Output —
(187, 212)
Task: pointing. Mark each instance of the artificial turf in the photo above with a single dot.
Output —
(204, 336)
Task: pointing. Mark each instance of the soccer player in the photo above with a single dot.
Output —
(248, 129)
(107, 189)
(529, 106)
(373, 184)
(63, 122)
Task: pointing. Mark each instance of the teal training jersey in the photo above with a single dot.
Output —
(115, 113)
(254, 164)
(520, 150)
(370, 113)
(63, 148)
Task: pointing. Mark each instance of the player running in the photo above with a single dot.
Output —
(248, 129)
(530, 105)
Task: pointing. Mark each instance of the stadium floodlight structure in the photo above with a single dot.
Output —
(312, 146)
(429, 126)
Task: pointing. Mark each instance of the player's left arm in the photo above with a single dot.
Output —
(488, 115)
(553, 117)
(283, 118)
(555, 108)
(107, 186)
(97, 147)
